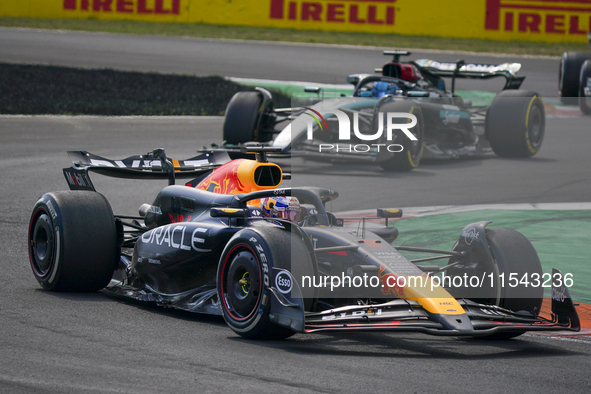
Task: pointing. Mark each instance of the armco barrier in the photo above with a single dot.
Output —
(530, 20)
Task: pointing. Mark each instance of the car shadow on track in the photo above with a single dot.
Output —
(403, 345)
(535, 160)
(414, 346)
(465, 162)
(427, 168)
(80, 297)
(365, 170)
(152, 307)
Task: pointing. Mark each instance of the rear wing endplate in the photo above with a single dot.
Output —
(153, 165)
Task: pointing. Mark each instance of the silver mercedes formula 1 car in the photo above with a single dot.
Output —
(363, 127)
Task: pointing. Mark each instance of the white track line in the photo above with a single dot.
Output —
(252, 81)
(441, 209)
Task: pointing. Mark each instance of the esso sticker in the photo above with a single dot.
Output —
(283, 282)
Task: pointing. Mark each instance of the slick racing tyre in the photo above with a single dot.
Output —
(568, 73)
(411, 155)
(514, 274)
(73, 241)
(244, 117)
(585, 88)
(516, 258)
(243, 278)
(515, 123)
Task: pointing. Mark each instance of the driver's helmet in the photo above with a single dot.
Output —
(382, 88)
(287, 208)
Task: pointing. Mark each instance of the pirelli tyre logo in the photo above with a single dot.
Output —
(364, 12)
(567, 17)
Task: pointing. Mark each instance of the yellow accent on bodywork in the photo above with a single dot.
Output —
(176, 165)
(442, 306)
(246, 172)
(434, 299)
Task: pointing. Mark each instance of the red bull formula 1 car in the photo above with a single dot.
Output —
(445, 126)
(207, 246)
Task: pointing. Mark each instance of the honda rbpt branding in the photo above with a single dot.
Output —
(405, 122)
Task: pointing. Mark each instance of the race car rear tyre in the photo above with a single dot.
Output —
(568, 73)
(242, 119)
(410, 157)
(515, 123)
(518, 264)
(585, 88)
(73, 241)
(243, 278)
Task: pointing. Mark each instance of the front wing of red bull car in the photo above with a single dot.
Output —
(360, 282)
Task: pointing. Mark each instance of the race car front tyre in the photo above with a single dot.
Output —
(516, 258)
(242, 118)
(568, 73)
(243, 278)
(412, 152)
(73, 241)
(585, 88)
(519, 279)
(515, 123)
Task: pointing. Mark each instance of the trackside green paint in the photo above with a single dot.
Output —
(561, 238)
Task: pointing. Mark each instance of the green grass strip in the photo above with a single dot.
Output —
(561, 238)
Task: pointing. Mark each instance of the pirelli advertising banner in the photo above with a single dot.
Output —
(529, 20)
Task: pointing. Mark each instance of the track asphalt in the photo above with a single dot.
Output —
(91, 343)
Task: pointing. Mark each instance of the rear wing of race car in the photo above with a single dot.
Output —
(153, 165)
(462, 69)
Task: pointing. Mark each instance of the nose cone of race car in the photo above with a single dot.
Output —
(439, 304)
